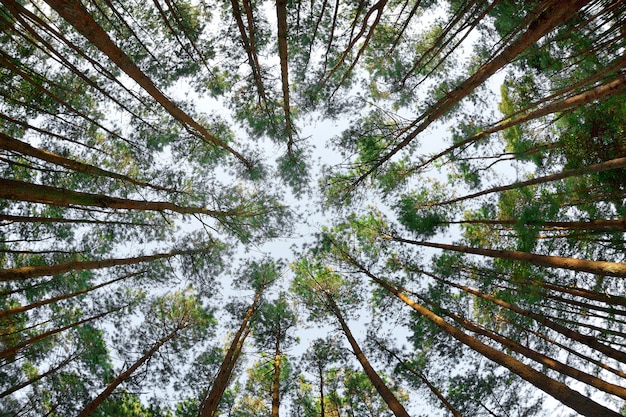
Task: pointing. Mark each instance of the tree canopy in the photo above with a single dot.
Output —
(312, 208)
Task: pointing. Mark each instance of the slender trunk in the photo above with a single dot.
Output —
(93, 405)
(422, 378)
(8, 352)
(250, 48)
(600, 167)
(276, 377)
(40, 303)
(598, 93)
(9, 143)
(38, 377)
(590, 341)
(558, 390)
(8, 219)
(208, 408)
(25, 272)
(77, 16)
(595, 224)
(538, 357)
(320, 370)
(25, 191)
(384, 391)
(281, 17)
(595, 267)
(554, 15)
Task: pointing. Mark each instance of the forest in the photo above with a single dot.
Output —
(312, 208)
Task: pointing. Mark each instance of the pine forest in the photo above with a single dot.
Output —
(312, 208)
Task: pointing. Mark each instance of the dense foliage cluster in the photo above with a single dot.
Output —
(465, 256)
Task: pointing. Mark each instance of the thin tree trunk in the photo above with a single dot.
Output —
(40, 303)
(384, 391)
(558, 390)
(25, 272)
(281, 17)
(595, 224)
(16, 348)
(595, 267)
(590, 341)
(598, 93)
(600, 167)
(208, 408)
(93, 405)
(38, 377)
(422, 378)
(77, 16)
(556, 14)
(276, 378)
(34, 193)
(8, 219)
(538, 357)
(9, 143)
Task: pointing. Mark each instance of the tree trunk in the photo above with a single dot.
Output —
(9, 143)
(595, 267)
(34, 193)
(601, 225)
(281, 17)
(93, 405)
(600, 167)
(384, 391)
(14, 349)
(40, 303)
(25, 272)
(276, 378)
(77, 16)
(208, 408)
(598, 93)
(558, 390)
(555, 14)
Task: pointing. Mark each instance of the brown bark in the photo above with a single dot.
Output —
(250, 48)
(594, 224)
(10, 351)
(24, 191)
(567, 173)
(25, 272)
(543, 319)
(554, 15)
(281, 16)
(540, 358)
(558, 390)
(276, 376)
(50, 371)
(95, 403)
(590, 341)
(40, 303)
(384, 391)
(77, 16)
(9, 143)
(422, 378)
(208, 408)
(8, 219)
(605, 268)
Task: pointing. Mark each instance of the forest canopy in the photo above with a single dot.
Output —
(322, 208)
